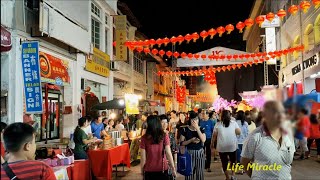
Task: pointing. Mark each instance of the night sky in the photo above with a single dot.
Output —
(167, 18)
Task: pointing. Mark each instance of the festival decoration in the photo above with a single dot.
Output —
(316, 3)
(195, 36)
(196, 56)
(176, 54)
(183, 55)
(173, 40)
(293, 9)
(162, 52)
(248, 22)
(259, 20)
(146, 50)
(154, 51)
(221, 104)
(139, 49)
(229, 28)
(305, 5)
(202, 97)
(212, 32)
(281, 13)
(190, 56)
(240, 25)
(188, 37)
(152, 42)
(180, 39)
(159, 42)
(169, 53)
(221, 30)
(270, 16)
(166, 41)
(204, 34)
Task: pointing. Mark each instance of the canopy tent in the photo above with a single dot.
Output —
(215, 51)
(302, 100)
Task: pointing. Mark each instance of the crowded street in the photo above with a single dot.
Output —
(160, 90)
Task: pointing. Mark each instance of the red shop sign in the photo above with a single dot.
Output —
(5, 40)
(54, 70)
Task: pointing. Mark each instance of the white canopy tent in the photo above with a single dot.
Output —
(207, 62)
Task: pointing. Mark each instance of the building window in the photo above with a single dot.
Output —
(95, 10)
(138, 63)
(95, 33)
(106, 20)
(106, 40)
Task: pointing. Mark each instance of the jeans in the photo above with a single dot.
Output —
(239, 150)
(310, 141)
(207, 148)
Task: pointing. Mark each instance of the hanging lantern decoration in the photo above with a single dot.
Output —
(176, 54)
(162, 52)
(159, 42)
(204, 34)
(114, 44)
(259, 20)
(204, 56)
(235, 56)
(169, 53)
(293, 9)
(190, 56)
(146, 50)
(229, 57)
(166, 41)
(229, 28)
(210, 56)
(195, 37)
(146, 43)
(154, 51)
(188, 37)
(248, 22)
(221, 30)
(212, 32)
(173, 40)
(152, 42)
(180, 39)
(196, 56)
(224, 68)
(305, 5)
(240, 25)
(183, 55)
(139, 49)
(281, 13)
(219, 69)
(316, 3)
(239, 66)
(140, 43)
(270, 16)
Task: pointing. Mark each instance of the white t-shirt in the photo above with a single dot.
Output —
(226, 139)
(87, 130)
(119, 127)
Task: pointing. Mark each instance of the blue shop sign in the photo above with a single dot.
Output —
(31, 77)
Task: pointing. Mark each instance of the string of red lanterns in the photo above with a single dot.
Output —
(228, 57)
(293, 9)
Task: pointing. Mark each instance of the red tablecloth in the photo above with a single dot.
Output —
(80, 170)
(103, 160)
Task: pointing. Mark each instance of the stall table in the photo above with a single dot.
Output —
(102, 161)
(80, 170)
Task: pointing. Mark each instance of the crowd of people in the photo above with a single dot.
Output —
(249, 138)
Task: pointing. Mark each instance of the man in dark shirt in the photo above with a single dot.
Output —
(19, 140)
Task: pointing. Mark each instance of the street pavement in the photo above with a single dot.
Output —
(308, 169)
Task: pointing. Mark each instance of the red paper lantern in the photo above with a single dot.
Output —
(241, 56)
(250, 63)
(159, 42)
(256, 61)
(235, 56)
(229, 57)
(224, 68)
(162, 52)
(146, 43)
(196, 56)
(188, 37)
(293, 9)
(176, 54)
(305, 5)
(183, 55)
(221, 30)
(114, 43)
(219, 69)
(140, 43)
(229, 67)
(139, 49)
(210, 56)
(248, 22)
(146, 50)
(240, 25)
(169, 53)
(261, 60)
(229, 28)
(222, 57)
(316, 3)
(173, 40)
(204, 34)
(285, 52)
(239, 66)
(258, 54)
(155, 51)
(180, 39)
(166, 41)
(270, 16)
(212, 32)
(247, 56)
(195, 36)
(245, 64)
(282, 13)
(253, 55)
(234, 66)
(259, 20)
(127, 43)
(190, 56)
(152, 42)
(204, 56)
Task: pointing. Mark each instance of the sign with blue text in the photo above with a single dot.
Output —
(31, 77)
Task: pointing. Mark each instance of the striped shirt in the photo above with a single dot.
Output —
(30, 170)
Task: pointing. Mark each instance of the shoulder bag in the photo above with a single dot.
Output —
(9, 171)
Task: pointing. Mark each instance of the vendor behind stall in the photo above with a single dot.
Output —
(97, 128)
(81, 139)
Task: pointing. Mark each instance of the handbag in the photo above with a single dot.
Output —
(184, 163)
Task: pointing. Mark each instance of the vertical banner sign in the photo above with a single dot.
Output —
(271, 43)
(31, 77)
(121, 37)
(132, 103)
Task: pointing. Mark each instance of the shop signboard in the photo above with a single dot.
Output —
(132, 103)
(311, 62)
(54, 70)
(121, 37)
(31, 77)
(5, 40)
(274, 23)
(98, 63)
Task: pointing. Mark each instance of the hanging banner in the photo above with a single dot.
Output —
(54, 70)
(31, 77)
(271, 45)
(132, 103)
(98, 63)
(121, 37)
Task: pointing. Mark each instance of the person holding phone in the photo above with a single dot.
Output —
(193, 137)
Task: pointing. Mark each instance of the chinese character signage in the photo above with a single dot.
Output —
(31, 77)
(99, 63)
(54, 70)
(132, 103)
(121, 37)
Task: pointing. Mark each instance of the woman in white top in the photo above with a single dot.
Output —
(226, 132)
(119, 126)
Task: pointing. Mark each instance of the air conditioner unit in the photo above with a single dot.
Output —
(114, 66)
